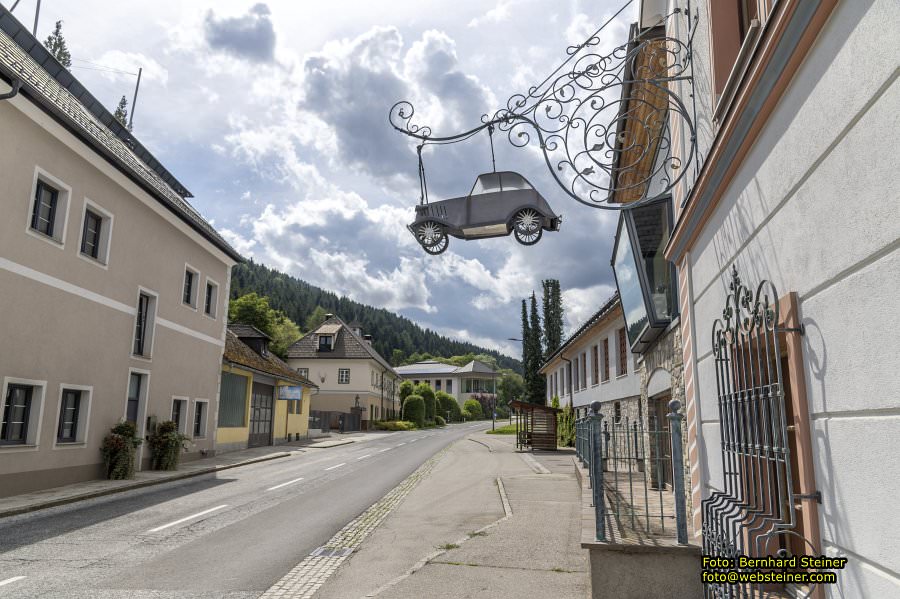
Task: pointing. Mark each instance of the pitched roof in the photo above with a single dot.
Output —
(347, 344)
(238, 352)
(435, 367)
(53, 88)
(605, 309)
(247, 331)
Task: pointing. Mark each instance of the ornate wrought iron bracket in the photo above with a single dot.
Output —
(602, 120)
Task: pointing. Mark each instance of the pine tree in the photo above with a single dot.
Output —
(553, 316)
(56, 43)
(121, 113)
(537, 387)
(526, 348)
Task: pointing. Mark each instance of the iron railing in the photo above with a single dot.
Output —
(636, 474)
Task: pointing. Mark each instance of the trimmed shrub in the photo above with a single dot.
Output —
(438, 421)
(395, 425)
(414, 410)
(118, 449)
(427, 393)
(565, 430)
(166, 444)
(447, 403)
(406, 389)
(466, 414)
(473, 406)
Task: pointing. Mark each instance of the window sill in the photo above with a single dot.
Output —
(141, 358)
(44, 237)
(70, 445)
(14, 447)
(95, 261)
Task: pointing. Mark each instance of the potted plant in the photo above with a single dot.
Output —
(118, 449)
(166, 445)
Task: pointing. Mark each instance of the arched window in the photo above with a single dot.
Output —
(617, 411)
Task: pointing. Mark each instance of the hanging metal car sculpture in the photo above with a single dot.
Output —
(500, 203)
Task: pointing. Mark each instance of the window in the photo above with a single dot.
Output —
(67, 431)
(143, 327)
(211, 298)
(189, 291)
(48, 208)
(575, 374)
(135, 392)
(343, 376)
(595, 365)
(606, 359)
(179, 414)
(617, 411)
(43, 213)
(16, 415)
(584, 371)
(199, 419)
(304, 372)
(437, 384)
(325, 343)
(449, 386)
(90, 234)
(622, 368)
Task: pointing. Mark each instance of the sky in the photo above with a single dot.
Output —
(274, 115)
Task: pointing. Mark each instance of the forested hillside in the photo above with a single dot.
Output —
(298, 299)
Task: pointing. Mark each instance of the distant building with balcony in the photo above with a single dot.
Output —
(475, 379)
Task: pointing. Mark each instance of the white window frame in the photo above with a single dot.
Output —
(214, 303)
(204, 419)
(195, 288)
(151, 324)
(35, 413)
(106, 228)
(84, 417)
(185, 413)
(341, 380)
(63, 203)
(304, 372)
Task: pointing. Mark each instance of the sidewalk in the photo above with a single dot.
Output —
(38, 500)
(453, 536)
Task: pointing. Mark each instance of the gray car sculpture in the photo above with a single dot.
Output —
(499, 204)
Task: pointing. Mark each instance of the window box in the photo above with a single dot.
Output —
(645, 279)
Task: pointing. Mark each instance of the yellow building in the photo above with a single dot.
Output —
(261, 400)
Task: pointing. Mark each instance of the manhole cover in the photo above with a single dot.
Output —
(332, 551)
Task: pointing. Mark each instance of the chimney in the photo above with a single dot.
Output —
(368, 339)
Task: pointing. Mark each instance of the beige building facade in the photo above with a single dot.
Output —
(113, 291)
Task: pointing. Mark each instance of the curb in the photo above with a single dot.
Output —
(329, 445)
(137, 485)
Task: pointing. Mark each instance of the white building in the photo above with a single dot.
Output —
(462, 382)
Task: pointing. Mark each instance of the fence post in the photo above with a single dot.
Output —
(597, 470)
(675, 417)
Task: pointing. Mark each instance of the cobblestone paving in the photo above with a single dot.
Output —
(309, 575)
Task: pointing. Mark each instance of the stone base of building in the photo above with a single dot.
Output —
(39, 480)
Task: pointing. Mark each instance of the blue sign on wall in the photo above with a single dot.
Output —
(290, 392)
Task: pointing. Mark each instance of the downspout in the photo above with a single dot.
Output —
(16, 86)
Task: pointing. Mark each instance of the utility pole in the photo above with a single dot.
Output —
(37, 14)
(134, 101)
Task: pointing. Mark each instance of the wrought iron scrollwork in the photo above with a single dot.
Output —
(601, 120)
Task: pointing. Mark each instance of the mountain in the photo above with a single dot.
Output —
(298, 299)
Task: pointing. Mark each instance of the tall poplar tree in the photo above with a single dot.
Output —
(56, 43)
(526, 348)
(536, 388)
(553, 316)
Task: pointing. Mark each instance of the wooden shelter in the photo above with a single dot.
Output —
(535, 426)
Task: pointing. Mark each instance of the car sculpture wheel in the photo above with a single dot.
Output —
(438, 248)
(430, 233)
(526, 226)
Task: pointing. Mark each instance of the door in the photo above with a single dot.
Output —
(262, 400)
(661, 446)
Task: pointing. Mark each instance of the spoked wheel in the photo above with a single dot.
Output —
(438, 248)
(430, 233)
(527, 226)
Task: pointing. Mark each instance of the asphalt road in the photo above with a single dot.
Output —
(229, 535)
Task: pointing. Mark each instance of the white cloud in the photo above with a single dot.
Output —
(129, 62)
(581, 304)
(496, 15)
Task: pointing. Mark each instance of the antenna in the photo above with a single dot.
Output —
(137, 86)
(37, 14)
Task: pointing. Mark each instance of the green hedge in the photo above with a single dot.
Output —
(395, 425)
(473, 407)
(414, 410)
(438, 421)
(447, 403)
(425, 392)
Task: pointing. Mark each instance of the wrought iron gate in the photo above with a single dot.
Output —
(755, 514)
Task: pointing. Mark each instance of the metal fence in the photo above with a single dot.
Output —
(340, 421)
(636, 473)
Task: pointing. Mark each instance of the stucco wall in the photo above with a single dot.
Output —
(69, 321)
(813, 208)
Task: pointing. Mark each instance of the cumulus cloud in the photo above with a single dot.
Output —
(130, 62)
(250, 36)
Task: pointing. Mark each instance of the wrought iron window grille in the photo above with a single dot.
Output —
(576, 115)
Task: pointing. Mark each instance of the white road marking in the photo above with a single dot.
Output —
(336, 466)
(203, 513)
(402, 444)
(290, 482)
(414, 440)
(10, 580)
(385, 449)
(362, 457)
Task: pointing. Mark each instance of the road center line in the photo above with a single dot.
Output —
(385, 449)
(290, 482)
(203, 513)
(362, 457)
(414, 440)
(10, 580)
(336, 466)
(402, 444)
